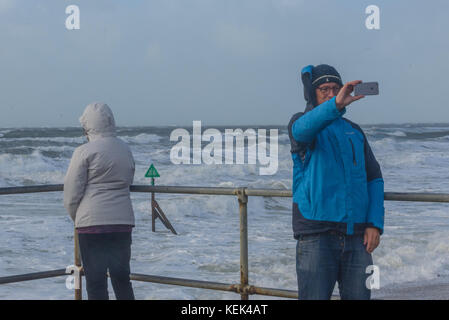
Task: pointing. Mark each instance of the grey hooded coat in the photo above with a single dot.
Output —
(96, 186)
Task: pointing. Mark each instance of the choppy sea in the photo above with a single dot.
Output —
(36, 233)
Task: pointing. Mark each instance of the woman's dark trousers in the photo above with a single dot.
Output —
(106, 251)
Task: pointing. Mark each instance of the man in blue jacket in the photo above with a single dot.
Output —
(338, 191)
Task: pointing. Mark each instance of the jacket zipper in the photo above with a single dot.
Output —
(353, 152)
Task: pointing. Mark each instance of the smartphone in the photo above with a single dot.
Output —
(366, 89)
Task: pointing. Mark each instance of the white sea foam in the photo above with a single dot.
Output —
(142, 138)
(31, 169)
(415, 257)
(398, 134)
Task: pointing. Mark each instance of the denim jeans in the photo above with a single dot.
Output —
(103, 251)
(326, 258)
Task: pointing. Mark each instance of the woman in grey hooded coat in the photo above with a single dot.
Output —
(97, 197)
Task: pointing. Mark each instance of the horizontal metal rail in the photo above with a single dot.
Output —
(389, 196)
(244, 289)
(32, 189)
(237, 288)
(33, 276)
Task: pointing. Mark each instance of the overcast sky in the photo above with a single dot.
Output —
(169, 62)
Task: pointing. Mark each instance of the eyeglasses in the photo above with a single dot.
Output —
(326, 90)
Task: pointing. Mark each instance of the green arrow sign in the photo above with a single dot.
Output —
(152, 172)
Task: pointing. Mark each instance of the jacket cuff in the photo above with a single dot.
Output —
(338, 113)
(376, 210)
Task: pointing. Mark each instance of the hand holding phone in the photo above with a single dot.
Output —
(344, 96)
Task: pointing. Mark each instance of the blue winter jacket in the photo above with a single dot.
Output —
(337, 181)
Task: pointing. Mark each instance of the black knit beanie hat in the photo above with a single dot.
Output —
(312, 77)
(324, 73)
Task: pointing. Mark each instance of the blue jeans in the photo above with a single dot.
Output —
(326, 258)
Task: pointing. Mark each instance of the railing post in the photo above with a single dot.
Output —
(243, 200)
(78, 292)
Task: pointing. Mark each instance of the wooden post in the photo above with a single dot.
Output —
(78, 292)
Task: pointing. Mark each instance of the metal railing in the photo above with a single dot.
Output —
(243, 288)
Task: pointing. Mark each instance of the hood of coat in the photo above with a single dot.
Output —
(98, 121)
(309, 93)
(318, 74)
